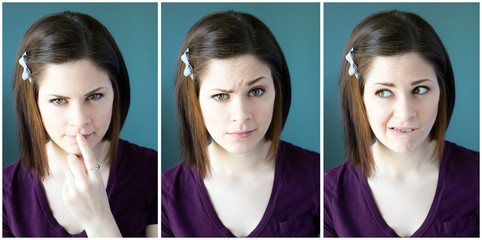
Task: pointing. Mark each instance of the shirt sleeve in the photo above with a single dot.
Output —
(328, 228)
(328, 224)
(165, 223)
(6, 228)
(153, 208)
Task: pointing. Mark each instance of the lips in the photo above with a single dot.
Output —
(86, 136)
(241, 134)
(401, 130)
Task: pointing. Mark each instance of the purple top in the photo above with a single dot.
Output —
(350, 209)
(131, 189)
(293, 208)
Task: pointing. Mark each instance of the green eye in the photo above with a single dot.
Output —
(57, 101)
(420, 90)
(383, 93)
(220, 97)
(95, 96)
(256, 92)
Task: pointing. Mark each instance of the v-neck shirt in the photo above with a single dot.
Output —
(131, 189)
(292, 210)
(350, 209)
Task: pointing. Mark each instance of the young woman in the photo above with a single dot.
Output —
(238, 179)
(75, 176)
(403, 178)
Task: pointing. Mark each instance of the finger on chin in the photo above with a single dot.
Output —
(87, 154)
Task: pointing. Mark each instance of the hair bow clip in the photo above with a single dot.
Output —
(353, 66)
(185, 58)
(27, 74)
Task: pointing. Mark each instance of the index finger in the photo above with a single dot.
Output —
(87, 154)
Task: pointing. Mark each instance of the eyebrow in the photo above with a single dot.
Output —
(393, 85)
(87, 94)
(249, 84)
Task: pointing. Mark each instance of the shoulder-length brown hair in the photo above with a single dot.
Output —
(225, 35)
(62, 38)
(388, 34)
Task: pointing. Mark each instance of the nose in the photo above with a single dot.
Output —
(240, 110)
(78, 115)
(404, 108)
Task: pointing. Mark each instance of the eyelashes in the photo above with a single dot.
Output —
(385, 93)
(256, 92)
(62, 101)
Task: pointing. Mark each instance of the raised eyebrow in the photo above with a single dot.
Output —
(249, 84)
(385, 84)
(57, 96)
(420, 81)
(413, 83)
(64, 97)
(223, 90)
(255, 81)
(93, 91)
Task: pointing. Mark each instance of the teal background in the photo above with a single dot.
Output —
(134, 27)
(457, 24)
(296, 26)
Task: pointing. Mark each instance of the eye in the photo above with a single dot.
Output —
(57, 101)
(256, 92)
(420, 90)
(383, 93)
(95, 96)
(220, 97)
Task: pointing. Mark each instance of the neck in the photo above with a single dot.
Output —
(401, 164)
(227, 164)
(57, 157)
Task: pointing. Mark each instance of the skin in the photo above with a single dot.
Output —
(75, 101)
(237, 98)
(401, 98)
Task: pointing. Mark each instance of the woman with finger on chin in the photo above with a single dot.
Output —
(75, 177)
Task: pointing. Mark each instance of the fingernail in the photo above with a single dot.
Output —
(71, 156)
(79, 137)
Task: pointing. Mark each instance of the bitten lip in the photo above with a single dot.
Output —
(403, 129)
(241, 134)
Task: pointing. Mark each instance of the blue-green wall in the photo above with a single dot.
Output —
(458, 27)
(297, 29)
(134, 27)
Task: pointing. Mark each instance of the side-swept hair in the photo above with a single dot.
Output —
(387, 34)
(226, 35)
(62, 38)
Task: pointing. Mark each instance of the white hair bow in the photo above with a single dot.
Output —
(26, 71)
(185, 59)
(353, 66)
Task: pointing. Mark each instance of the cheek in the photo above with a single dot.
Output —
(51, 118)
(264, 111)
(430, 110)
(103, 113)
(212, 114)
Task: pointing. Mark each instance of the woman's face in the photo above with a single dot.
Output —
(236, 98)
(75, 97)
(401, 98)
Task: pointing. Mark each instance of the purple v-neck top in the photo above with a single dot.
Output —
(293, 208)
(131, 189)
(351, 211)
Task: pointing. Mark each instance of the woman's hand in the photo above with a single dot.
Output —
(85, 196)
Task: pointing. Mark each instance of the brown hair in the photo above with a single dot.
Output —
(62, 38)
(388, 34)
(220, 36)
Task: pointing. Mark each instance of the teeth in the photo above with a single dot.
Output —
(407, 130)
